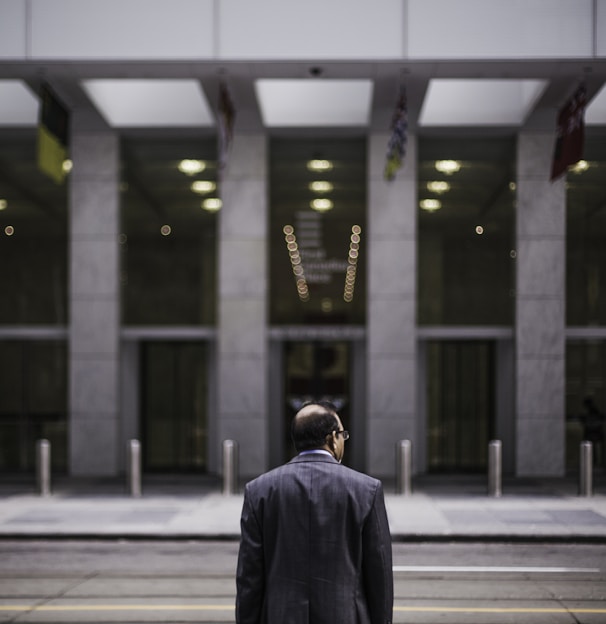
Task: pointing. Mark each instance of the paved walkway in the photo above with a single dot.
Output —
(440, 508)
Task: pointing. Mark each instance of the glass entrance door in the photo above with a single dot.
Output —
(315, 370)
(33, 403)
(174, 406)
(460, 404)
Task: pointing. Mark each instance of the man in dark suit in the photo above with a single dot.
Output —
(315, 546)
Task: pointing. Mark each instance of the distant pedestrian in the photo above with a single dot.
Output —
(315, 545)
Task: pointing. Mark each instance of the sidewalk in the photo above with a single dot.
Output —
(440, 508)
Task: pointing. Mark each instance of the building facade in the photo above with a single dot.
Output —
(182, 294)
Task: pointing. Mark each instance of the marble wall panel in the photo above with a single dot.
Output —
(94, 209)
(540, 446)
(95, 156)
(242, 322)
(94, 268)
(94, 385)
(540, 323)
(391, 383)
(250, 432)
(93, 444)
(541, 206)
(540, 386)
(541, 267)
(94, 330)
(383, 435)
(392, 269)
(247, 158)
(240, 220)
(242, 271)
(391, 326)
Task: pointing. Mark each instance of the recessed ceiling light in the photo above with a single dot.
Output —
(321, 204)
(212, 204)
(320, 186)
(165, 230)
(319, 165)
(447, 166)
(430, 204)
(191, 167)
(438, 186)
(9, 230)
(579, 167)
(3, 204)
(203, 186)
(68, 165)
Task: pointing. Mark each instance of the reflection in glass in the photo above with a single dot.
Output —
(311, 269)
(168, 257)
(463, 278)
(586, 238)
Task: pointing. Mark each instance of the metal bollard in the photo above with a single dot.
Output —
(134, 468)
(43, 467)
(494, 468)
(403, 467)
(586, 469)
(230, 467)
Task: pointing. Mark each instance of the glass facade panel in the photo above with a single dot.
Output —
(33, 403)
(33, 236)
(174, 387)
(585, 399)
(586, 236)
(460, 404)
(466, 231)
(168, 238)
(317, 255)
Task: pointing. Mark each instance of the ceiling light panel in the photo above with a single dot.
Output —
(18, 105)
(314, 103)
(150, 103)
(479, 102)
(595, 113)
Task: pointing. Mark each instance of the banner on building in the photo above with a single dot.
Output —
(53, 135)
(227, 118)
(396, 148)
(570, 133)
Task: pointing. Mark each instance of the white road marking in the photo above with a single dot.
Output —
(517, 569)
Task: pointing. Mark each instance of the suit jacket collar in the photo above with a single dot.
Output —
(313, 457)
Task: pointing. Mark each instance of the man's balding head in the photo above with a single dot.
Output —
(312, 423)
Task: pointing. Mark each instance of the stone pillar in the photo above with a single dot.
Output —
(391, 308)
(94, 345)
(540, 310)
(242, 306)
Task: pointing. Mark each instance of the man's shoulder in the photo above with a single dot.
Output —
(338, 471)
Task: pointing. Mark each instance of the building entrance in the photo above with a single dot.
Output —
(460, 404)
(315, 370)
(33, 403)
(174, 406)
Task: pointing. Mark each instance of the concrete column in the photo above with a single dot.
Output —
(242, 307)
(94, 304)
(391, 308)
(540, 310)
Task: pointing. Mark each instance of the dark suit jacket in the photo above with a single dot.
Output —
(315, 547)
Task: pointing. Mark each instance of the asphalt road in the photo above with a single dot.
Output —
(141, 581)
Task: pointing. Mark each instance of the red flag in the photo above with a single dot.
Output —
(570, 133)
(227, 116)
